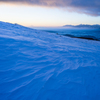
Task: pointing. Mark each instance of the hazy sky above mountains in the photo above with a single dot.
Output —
(50, 12)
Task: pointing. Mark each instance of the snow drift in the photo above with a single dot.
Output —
(36, 65)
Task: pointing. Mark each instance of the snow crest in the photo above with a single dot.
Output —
(36, 65)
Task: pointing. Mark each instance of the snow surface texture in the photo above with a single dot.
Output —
(36, 65)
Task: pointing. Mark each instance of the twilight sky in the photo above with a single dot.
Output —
(50, 12)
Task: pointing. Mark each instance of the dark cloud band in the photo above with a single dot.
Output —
(91, 7)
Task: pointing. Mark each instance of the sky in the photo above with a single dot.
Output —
(47, 13)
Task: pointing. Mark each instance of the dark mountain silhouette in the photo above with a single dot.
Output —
(83, 26)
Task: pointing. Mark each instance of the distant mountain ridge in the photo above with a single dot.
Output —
(96, 26)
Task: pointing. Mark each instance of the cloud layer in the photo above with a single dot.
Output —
(91, 7)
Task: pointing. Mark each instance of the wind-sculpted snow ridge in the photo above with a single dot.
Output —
(42, 66)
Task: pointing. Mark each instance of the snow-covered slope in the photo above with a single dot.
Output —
(42, 66)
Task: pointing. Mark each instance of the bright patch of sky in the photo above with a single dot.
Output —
(43, 16)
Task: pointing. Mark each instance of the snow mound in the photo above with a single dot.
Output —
(36, 65)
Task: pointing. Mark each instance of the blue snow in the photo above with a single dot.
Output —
(36, 65)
